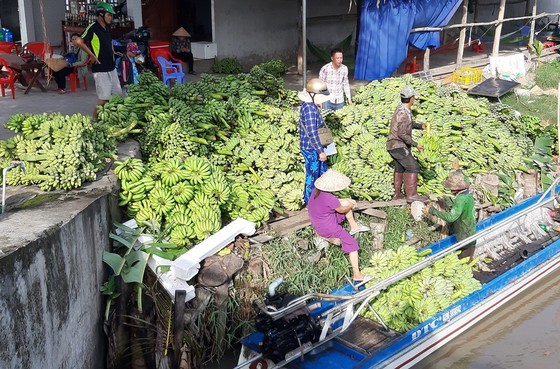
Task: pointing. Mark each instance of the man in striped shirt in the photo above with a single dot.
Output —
(335, 75)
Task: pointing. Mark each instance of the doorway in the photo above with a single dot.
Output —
(196, 17)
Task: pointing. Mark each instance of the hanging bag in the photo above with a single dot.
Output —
(325, 136)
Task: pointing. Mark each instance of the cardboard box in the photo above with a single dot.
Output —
(204, 50)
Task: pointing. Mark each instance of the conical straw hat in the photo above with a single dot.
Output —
(332, 181)
(181, 32)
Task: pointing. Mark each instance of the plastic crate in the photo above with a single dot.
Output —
(467, 76)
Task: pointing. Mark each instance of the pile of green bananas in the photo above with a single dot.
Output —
(189, 197)
(58, 152)
(126, 115)
(482, 137)
(416, 298)
(276, 67)
(226, 66)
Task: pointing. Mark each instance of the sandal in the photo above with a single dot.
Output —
(362, 228)
(61, 91)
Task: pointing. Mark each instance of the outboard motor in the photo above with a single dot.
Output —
(287, 333)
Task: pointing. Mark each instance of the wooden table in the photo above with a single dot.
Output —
(26, 73)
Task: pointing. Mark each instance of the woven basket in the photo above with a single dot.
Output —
(56, 64)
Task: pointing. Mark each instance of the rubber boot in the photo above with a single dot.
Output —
(410, 184)
(397, 183)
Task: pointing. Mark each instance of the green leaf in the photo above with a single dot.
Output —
(121, 240)
(126, 228)
(164, 245)
(115, 261)
(164, 254)
(136, 263)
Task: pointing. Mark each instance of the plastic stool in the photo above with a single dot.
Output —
(479, 47)
(412, 67)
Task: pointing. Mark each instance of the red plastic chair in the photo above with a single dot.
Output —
(7, 77)
(42, 49)
(160, 48)
(74, 80)
(8, 47)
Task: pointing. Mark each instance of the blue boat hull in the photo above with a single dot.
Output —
(405, 350)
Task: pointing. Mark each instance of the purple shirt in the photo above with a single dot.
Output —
(322, 213)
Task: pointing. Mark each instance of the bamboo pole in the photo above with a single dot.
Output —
(501, 12)
(533, 22)
(427, 60)
(461, 47)
(433, 29)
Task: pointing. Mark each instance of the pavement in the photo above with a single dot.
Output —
(82, 101)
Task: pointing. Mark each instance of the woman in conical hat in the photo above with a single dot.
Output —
(181, 49)
(326, 212)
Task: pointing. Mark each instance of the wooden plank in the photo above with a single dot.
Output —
(363, 205)
(375, 213)
(297, 220)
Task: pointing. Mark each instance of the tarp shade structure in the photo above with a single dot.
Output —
(385, 32)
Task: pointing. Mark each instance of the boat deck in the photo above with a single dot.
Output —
(366, 335)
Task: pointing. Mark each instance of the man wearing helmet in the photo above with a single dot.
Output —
(309, 123)
(100, 50)
(399, 143)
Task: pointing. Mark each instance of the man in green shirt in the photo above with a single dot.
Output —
(461, 213)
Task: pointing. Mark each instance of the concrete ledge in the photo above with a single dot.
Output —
(51, 269)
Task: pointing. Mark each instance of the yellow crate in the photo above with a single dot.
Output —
(467, 76)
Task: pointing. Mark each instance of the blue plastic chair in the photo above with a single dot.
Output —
(170, 70)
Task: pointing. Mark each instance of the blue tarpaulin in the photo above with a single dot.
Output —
(385, 32)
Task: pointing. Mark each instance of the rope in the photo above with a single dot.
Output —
(46, 42)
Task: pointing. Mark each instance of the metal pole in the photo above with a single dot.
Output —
(496, 47)
(304, 41)
(462, 34)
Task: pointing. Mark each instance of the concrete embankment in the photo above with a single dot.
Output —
(51, 269)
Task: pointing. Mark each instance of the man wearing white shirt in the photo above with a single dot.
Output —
(335, 75)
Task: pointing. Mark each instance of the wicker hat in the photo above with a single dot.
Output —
(455, 181)
(332, 181)
(181, 32)
(56, 64)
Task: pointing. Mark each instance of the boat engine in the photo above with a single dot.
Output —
(287, 333)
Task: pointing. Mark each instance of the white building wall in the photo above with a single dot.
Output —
(548, 6)
(52, 14)
(256, 30)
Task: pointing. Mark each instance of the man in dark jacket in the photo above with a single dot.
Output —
(399, 144)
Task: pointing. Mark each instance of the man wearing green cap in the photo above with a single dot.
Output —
(100, 49)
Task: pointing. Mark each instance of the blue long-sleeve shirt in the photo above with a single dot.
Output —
(310, 120)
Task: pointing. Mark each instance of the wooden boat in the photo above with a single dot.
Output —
(329, 332)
